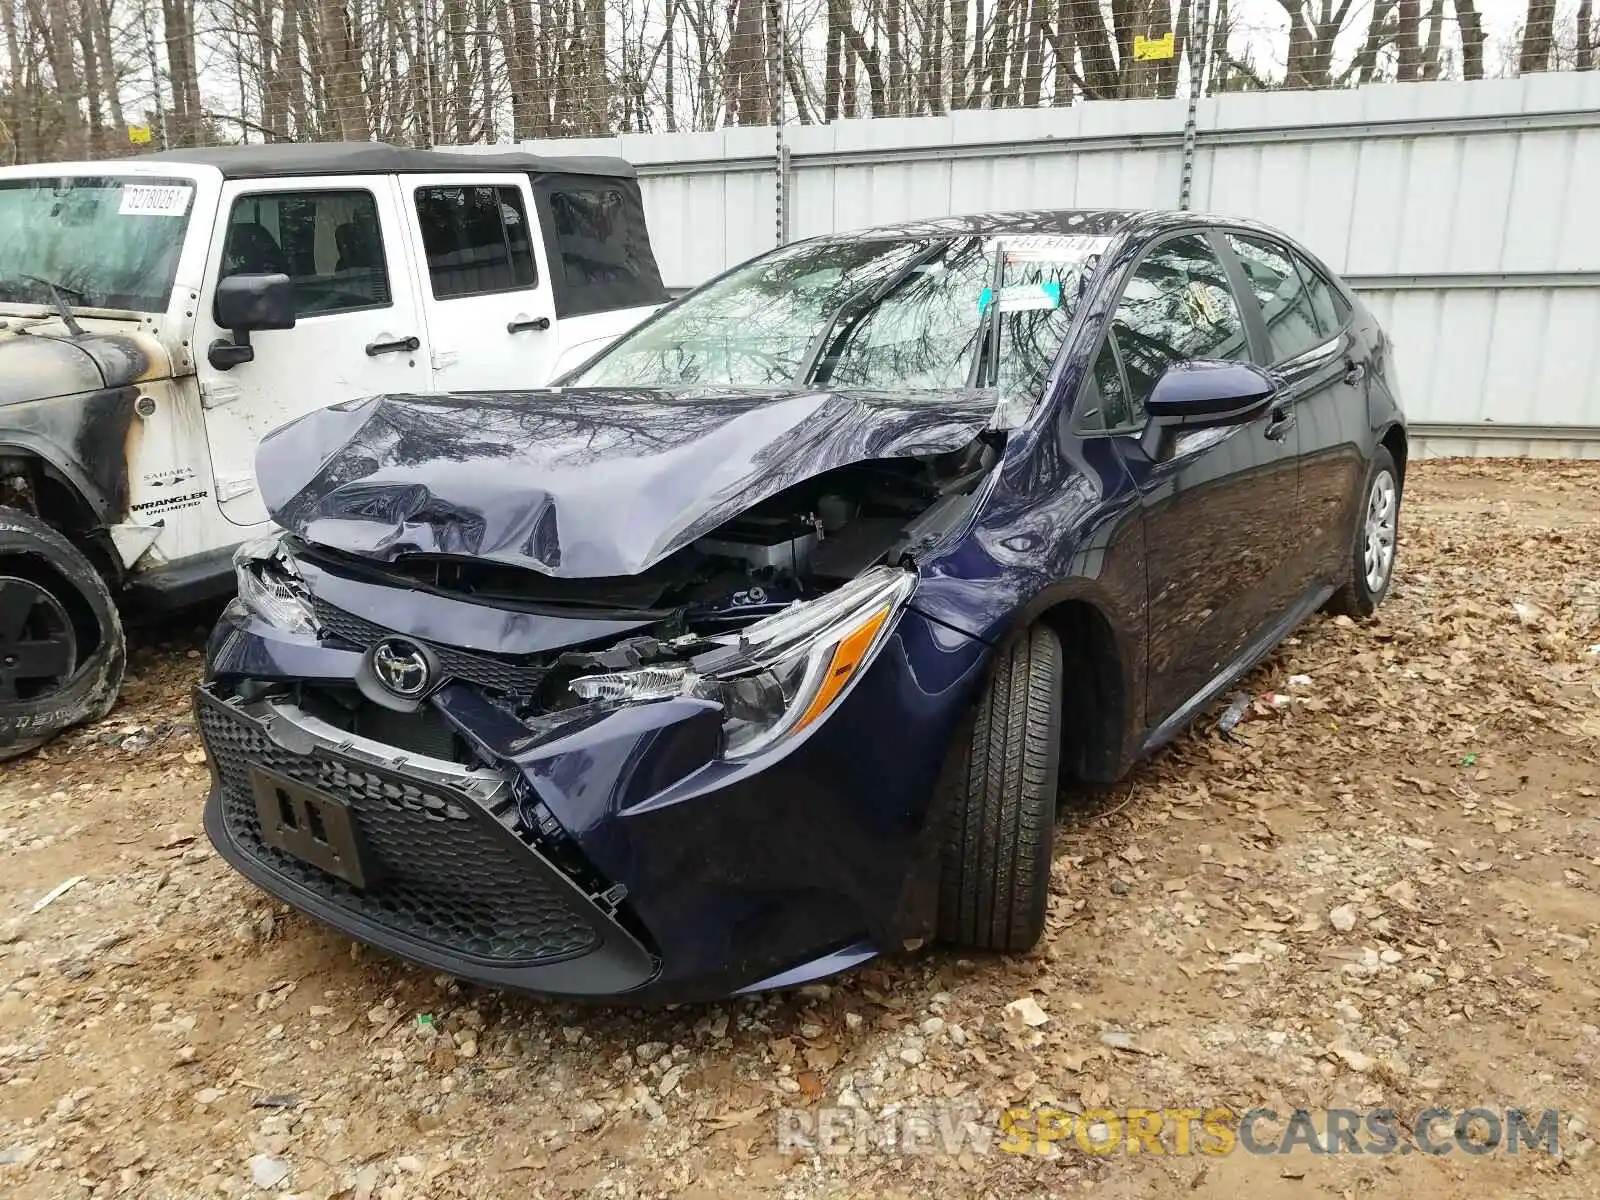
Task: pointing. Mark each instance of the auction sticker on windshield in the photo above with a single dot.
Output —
(155, 200)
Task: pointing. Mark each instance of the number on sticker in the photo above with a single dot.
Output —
(154, 200)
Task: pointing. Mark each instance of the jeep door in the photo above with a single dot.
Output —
(344, 242)
(491, 316)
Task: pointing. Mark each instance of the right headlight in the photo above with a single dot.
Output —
(779, 676)
(270, 587)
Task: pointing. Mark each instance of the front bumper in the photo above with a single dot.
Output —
(696, 878)
(457, 889)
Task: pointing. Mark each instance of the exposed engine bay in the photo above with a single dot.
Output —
(816, 540)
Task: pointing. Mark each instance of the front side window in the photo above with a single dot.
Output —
(1103, 403)
(329, 244)
(906, 314)
(101, 241)
(1177, 306)
(1292, 325)
(476, 240)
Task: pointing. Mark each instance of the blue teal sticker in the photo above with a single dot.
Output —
(1022, 297)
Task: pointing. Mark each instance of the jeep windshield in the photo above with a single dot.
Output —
(903, 314)
(102, 242)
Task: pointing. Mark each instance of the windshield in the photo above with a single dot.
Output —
(908, 314)
(104, 242)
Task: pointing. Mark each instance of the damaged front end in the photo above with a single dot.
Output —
(683, 762)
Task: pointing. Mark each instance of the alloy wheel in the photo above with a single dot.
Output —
(1379, 536)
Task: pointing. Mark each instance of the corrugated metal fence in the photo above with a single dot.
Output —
(1468, 214)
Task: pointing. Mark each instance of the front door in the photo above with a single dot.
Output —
(358, 332)
(490, 311)
(1219, 504)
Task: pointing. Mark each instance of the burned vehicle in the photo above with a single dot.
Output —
(760, 645)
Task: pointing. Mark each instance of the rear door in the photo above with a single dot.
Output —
(1321, 367)
(358, 331)
(1219, 504)
(491, 317)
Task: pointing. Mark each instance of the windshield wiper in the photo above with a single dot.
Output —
(60, 301)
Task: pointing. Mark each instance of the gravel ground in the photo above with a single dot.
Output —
(1379, 889)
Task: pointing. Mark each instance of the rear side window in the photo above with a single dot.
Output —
(1286, 306)
(329, 243)
(1178, 305)
(476, 240)
(588, 224)
(600, 254)
(1331, 308)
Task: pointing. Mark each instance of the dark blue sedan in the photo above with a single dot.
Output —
(763, 644)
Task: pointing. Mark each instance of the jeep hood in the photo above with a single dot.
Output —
(578, 483)
(39, 361)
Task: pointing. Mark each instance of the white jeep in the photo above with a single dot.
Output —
(158, 315)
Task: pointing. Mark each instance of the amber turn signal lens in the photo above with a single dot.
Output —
(847, 656)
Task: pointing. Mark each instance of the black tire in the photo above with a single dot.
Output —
(39, 566)
(1357, 596)
(999, 791)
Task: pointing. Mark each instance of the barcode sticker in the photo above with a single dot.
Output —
(155, 200)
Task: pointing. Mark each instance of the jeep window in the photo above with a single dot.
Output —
(329, 243)
(476, 239)
(104, 242)
(904, 314)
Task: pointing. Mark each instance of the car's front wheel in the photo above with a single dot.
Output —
(1371, 566)
(1000, 796)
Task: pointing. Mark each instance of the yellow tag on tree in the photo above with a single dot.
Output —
(139, 135)
(1148, 49)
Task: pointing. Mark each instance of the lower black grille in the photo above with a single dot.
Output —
(497, 674)
(447, 876)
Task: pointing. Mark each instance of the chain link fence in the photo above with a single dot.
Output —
(98, 78)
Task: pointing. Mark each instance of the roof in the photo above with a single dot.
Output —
(281, 159)
(1049, 222)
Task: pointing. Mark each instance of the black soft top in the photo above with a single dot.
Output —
(280, 159)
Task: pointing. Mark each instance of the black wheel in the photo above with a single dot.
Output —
(999, 790)
(1372, 558)
(62, 653)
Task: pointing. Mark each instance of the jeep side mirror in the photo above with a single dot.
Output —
(246, 304)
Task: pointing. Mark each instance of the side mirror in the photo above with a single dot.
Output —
(246, 304)
(1204, 393)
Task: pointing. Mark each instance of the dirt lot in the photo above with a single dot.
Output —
(1383, 889)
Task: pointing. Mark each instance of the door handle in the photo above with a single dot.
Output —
(405, 345)
(1281, 422)
(1354, 373)
(522, 324)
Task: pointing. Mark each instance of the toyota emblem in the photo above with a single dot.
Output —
(401, 667)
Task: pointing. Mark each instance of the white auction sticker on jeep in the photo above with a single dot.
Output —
(155, 200)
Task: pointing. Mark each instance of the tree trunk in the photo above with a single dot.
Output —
(56, 30)
(958, 53)
(1539, 36)
(1472, 39)
(1586, 39)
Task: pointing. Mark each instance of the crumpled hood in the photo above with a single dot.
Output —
(577, 483)
(43, 361)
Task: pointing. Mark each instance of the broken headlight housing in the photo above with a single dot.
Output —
(270, 586)
(776, 677)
